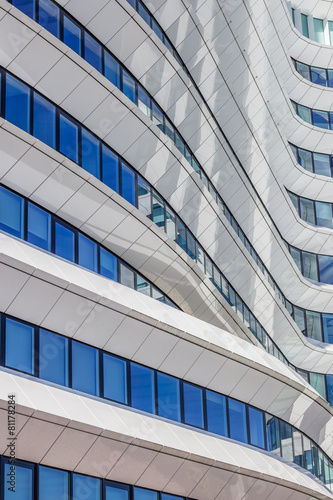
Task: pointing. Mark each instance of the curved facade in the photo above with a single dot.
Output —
(166, 300)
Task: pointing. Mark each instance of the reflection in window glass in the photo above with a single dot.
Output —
(326, 269)
(310, 269)
(305, 29)
(142, 388)
(87, 253)
(19, 343)
(170, 221)
(329, 379)
(157, 116)
(44, 121)
(128, 184)
(169, 130)
(127, 276)
(307, 210)
(53, 357)
(237, 420)
(115, 493)
(11, 213)
(28, 7)
(256, 423)
(317, 380)
(303, 69)
(324, 214)
(318, 76)
(129, 86)
(64, 242)
(53, 484)
(23, 483)
(181, 234)
(144, 101)
(108, 265)
(92, 52)
(142, 285)
(144, 13)
(321, 164)
(69, 138)
(49, 17)
(328, 328)
(298, 447)
(110, 169)
(168, 396)
(273, 434)
(286, 441)
(112, 69)
(90, 153)
(216, 413)
(305, 159)
(193, 405)
(115, 378)
(191, 250)
(85, 368)
(39, 227)
(72, 35)
(17, 103)
(320, 119)
(313, 325)
(86, 488)
(296, 255)
(318, 25)
(304, 113)
(158, 211)
(308, 463)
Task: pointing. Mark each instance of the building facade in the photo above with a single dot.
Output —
(166, 257)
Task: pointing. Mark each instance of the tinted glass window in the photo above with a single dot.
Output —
(328, 328)
(49, 17)
(313, 325)
(85, 371)
(310, 266)
(326, 269)
(39, 227)
(142, 285)
(11, 213)
(110, 169)
(87, 253)
(72, 35)
(305, 29)
(322, 164)
(28, 7)
(168, 397)
(90, 154)
(114, 493)
(143, 388)
(17, 103)
(115, 378)
(64, 242)
(108, 265)
(329, 379)
(53, 357)
(318, 75)
(193, 405)
(273, 434)
(318, 25)
(19, 346)
(157, 117)
(53, 484)
(158, 211)
(216, 413)
(128, 184)
(127, 276)
(305, 113)
(324, 214)
(92, 52)
(170, 221)
(140, 494)
(305, 159)
(69, 138)
(320, 119)
(256, 423)
(112, 69)
(144, 101)
(237, 420)
(303, 69)
(181, 234)
(129, 86)
(144, 197)
(286, 441)
(44, 121)
(23, 483)
(298, 447)
(307, 210)
(86, 488)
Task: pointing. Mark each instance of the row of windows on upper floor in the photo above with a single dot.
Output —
(318, 163)
(316, 213)
(67, 362)
(28, 221)
(320, 76)
(100, 160)
(318, 28)
(322, 119)
(317, 268)
(30, 481)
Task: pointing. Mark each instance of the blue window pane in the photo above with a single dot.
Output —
(87, 253)
(64, 242)
(44, 121)
(216, 413)
(86, 488)
(168, 390)
(114, 493)
(49, 17)
(286, 441)
(19, 346)
(329, 379)
(322, 164)
(158, 211)
(11, 213)
(318, 75)
(128, 184)
(305, 159)
(144, 13)
(72, 35)
(53, 484)
(326, 269)
(330, 83)
(85, 368)
(69, 138)
(140, 494)
(91, 154)
(142, 285)
(181, 234)
(93, 52)
(324, 214)
(157, 30)
(143, 388)
(144, 101)
(273, 434)
(237, 420)
(17, 103)
(39, 227)
(28, 7)
(108, 265)
(320, 119)
(53, 358)
(115, 378)
(110, 169)
(193, 405)
(165, 496)
(112, 69)
(256, 423)
(23, 483)
(328, 328)
(129, 86)
(158, 118)
(191, 250)
(304, 113)
(303, 69)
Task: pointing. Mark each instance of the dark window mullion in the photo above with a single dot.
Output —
(36, 352)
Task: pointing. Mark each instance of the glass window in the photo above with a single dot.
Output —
(90, 153)
(144, 197)
(303, 70)
(128, 184)
(110, 169)
(330, 29)
(313, 325)
(216, 413)
(217, 278)
(201, 258)
(28, 7)
(273, 434)
(329, 380)
(168, 390)
(304, 113)
(305, 159)
(158, 211)
(180, 144)
(19, 344)
(129, 86)
(326, 269)
(53, 484)
(86, 488)
(237, 420)
(318, 76)
(191, 246)
(256, 424)
(85, 368)
(115, 378)
(330, 80)
(169, 130)
(320, 119)
(69, 138)
(53, 357)
(17, 103)
(305, 29)
(310, 269)
(92, 52)
(87, 253)
(23, 483)
(108, 265)
(324, 214)
(11, 213)
(318, 25)
(170, 223)
(142, 285)
(157, 295)
(127, 276)
(158, 118)
(239, 307)
(294, 200)
(72, 35)
(157, 30)
(181, 234)
(322, 164)
(44, 121)
(328, 328)
(142, 388)
(39, 227)
(308, 463)
(49, 17)
(193, 405)
(286, 441)
(112, 69)
(317, 380)
(64, 242)
(307, 210)
(296, 255)
(116, 493)
(140, 494)
(144, 13)
(144, 101)
(298, 448)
